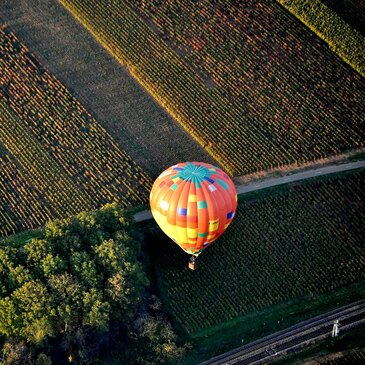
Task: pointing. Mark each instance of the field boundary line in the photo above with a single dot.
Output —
(299, 176)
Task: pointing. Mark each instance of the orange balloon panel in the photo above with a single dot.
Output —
(193, 203)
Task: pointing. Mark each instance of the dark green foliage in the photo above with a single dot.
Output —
(71, 284)
(74, 294)
(152, 339)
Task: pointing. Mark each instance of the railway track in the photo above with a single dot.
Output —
(288, 340)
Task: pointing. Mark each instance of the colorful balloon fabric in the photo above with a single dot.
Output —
(193, 203)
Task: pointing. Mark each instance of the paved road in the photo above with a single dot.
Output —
(242, 189)
(302, 334)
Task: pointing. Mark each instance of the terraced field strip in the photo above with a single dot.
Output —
(273, 100)
(300, 243)
(340, 36)
(58, 190)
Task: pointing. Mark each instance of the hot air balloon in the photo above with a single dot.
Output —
(193, 203)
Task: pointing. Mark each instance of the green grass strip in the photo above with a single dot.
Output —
(342, 39)
(20, 239)
(232, 334)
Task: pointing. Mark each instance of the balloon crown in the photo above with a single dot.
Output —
(195, 173)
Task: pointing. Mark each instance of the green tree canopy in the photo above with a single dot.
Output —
(82, 275)
(71, 293)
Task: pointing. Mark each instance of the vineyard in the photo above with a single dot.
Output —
(341, 37)
(30, 162)
(352, 11)
(246, 85)
(250, 83)
(56, 159)
(138, 124)
(303, 242)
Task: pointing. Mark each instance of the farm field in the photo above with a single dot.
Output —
(98, 97)
(55, 155)
(352, 11)
(253, 101)
(105, 88)
(33, 186)
(301, 242)
(342, 38)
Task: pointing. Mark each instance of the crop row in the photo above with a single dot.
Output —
(299, 243)
(234, 46)
(267, 101)
(22, 207)
(71, 136)
(60, 194)
(341, 37)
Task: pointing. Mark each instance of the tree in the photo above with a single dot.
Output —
(71, 283)
(15, 354)
(96, 310)
(67, 296)
(32, 303)
(41, 259)
(155, 340)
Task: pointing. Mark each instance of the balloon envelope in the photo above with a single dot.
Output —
(193, 203)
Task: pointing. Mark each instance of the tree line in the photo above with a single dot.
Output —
(78, 295)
